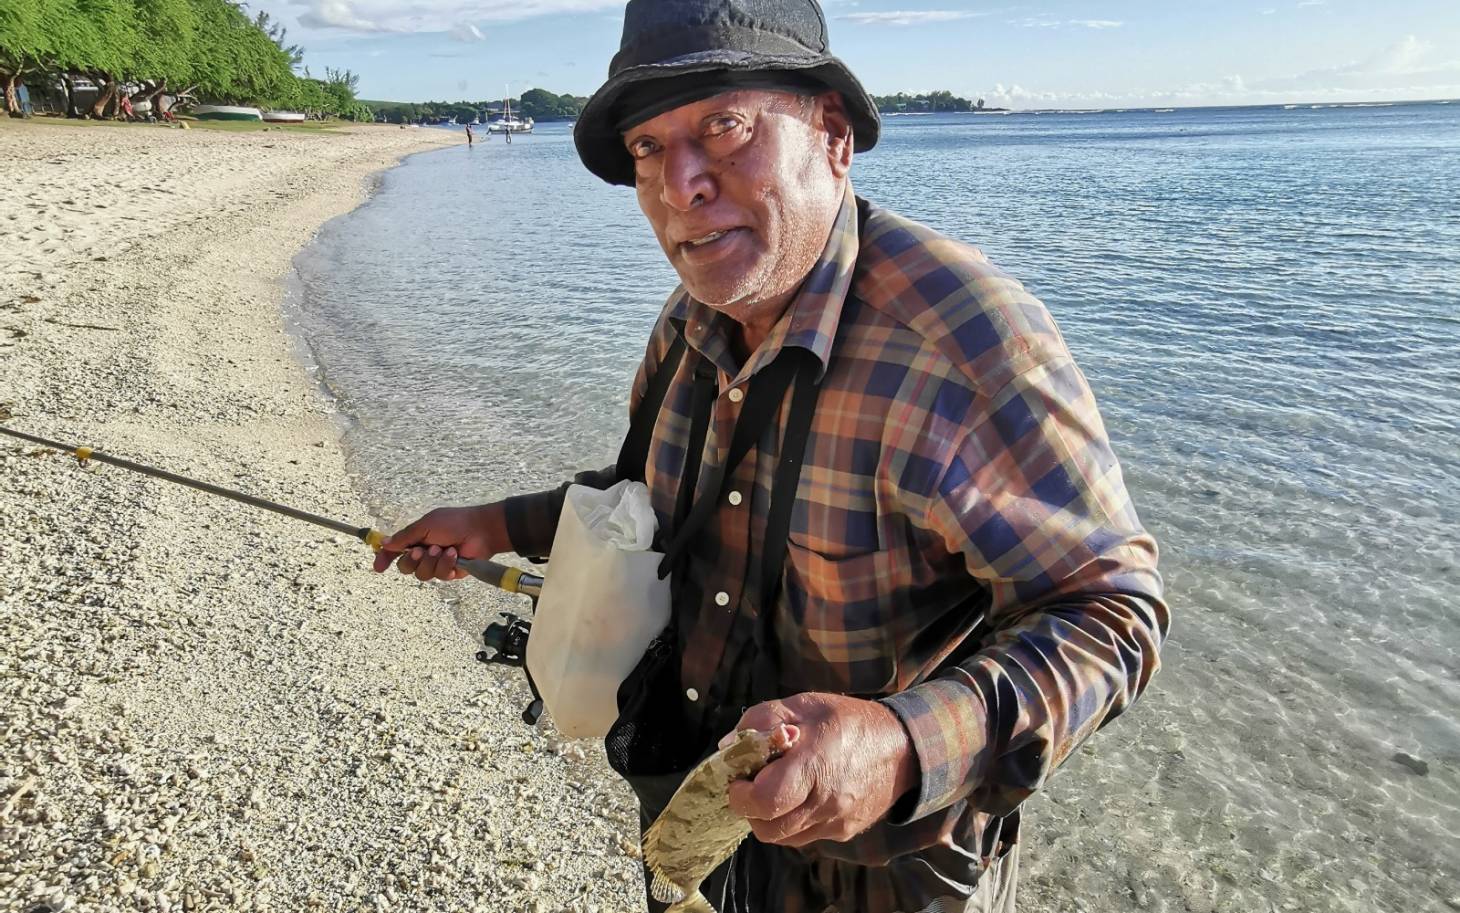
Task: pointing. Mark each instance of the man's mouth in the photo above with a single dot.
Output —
(706, 241)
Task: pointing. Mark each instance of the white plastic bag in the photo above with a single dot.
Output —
(602, 603)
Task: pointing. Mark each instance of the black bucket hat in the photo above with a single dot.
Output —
(674, 52)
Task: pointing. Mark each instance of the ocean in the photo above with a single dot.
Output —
(1267, 304)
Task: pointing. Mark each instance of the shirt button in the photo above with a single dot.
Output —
(722, 598)
(736, 394)
(692, 694)
(735, 498)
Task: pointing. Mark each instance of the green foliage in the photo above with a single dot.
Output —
(209, 48)
(22, 37)
(538, 104)
(167, 31)
(278, 34)
(902, 103)
(114, 47)
(339, 86)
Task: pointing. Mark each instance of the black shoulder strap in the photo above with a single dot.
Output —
(788, 477)
(702, 400)
(767, 391)
(635, 448)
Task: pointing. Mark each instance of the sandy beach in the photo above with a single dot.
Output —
(206, 707)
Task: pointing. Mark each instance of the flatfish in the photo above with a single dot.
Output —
(697, 830)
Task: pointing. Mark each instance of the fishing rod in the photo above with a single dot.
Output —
(506, 641)
(501, 576)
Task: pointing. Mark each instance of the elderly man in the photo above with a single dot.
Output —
(893, 513)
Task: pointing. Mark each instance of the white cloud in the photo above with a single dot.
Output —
(1040, 22)
(1407, 55)
(1408, 61)
(465, 31)
(910, 17)
(432, 15)
(339, 14)
(1407, 68)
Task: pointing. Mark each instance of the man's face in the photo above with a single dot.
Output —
(741, 190)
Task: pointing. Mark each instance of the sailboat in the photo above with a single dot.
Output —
(509, 124)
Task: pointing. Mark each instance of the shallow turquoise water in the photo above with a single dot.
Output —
(1266, 303)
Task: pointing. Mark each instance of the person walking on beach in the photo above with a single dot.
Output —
(468, 134)
(914, 540)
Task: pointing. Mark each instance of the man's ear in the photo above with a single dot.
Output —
(837, 126)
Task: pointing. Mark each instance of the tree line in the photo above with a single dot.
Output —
(538, 104)
(210, 50)
(942, 100)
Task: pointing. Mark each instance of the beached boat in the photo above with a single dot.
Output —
(226, 112)
(284, 117)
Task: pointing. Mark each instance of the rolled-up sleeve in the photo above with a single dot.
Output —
(1033, 500)
(532, 519)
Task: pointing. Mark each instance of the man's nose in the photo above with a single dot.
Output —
(687, 181)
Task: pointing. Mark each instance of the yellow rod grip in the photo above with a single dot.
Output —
(374, 539)
(510, 580)
(82, 454)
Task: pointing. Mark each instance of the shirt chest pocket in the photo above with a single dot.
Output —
(840, 615)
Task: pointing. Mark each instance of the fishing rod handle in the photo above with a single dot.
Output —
(511, 579)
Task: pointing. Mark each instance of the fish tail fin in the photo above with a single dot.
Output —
(663, 888)
(694, 903)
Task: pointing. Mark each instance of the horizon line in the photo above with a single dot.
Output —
(1173, 107)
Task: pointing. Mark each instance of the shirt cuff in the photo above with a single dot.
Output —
(532, 521)
(948, 726)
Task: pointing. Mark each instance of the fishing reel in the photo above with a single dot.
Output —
(506, 642)
(506, 645)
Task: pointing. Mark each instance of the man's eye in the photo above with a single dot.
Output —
(642, 148)
(721, 125)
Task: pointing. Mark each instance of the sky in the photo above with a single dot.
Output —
(1054, 54)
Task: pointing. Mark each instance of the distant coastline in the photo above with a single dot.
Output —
(544, 107)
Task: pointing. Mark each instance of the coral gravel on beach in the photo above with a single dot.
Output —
(205, 707)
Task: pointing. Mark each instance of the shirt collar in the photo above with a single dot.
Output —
(810, 321)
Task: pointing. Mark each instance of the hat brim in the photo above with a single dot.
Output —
(600, 144)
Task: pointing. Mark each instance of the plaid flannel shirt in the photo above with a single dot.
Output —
(962, 546)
